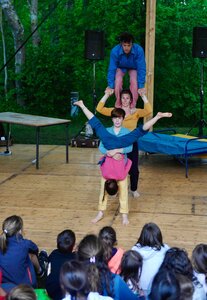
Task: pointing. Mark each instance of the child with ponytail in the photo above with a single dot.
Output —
(18, 256)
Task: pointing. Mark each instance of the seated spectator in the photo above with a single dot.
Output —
(112, 254)
(22, 292)
(74, 282)
(18, 256)
(131, 269)
(151, 247)
(176, 260)
(199, 261)
(165, 286)
(101, 280)
(64, 252)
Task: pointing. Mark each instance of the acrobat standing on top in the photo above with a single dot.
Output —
(125, 57)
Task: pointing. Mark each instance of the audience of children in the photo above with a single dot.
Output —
(150, 271)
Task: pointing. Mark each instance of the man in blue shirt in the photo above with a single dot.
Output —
(127, 56)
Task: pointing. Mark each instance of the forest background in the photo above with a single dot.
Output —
(51, 64)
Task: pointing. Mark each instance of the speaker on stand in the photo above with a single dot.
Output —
(94, 50)
(199, 50)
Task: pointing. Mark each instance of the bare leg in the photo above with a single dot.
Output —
(118, 86)
(125, 220)
(133, 87)
(98, 217)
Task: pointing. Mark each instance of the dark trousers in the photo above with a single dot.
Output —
(134, 170)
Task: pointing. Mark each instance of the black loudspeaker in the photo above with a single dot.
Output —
(94, 44)
(200, 42)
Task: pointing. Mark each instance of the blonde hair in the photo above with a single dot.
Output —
(11, 226)
(22, 292)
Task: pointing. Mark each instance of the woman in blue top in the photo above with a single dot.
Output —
(16, 254)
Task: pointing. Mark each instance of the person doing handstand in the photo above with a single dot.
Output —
(110, 184)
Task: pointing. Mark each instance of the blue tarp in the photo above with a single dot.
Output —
(172, 145)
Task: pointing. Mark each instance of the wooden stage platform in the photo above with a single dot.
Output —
(59, 196)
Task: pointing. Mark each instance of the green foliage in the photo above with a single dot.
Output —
(177, 74)
(58, 65)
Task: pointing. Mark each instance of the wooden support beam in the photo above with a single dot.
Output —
(150, 48)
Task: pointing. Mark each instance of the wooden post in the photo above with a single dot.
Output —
(150, 48)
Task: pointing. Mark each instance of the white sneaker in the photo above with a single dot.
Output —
(135, 194)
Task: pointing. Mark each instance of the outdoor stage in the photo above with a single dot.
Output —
(59, 196)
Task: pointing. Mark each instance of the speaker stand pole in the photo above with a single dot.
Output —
(94, 87)
(201, 123)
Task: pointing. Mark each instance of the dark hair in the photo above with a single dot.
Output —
(151, 236)
(131, 268)
(126, 37)
(186, 287)
(128, 92)
(66, 241)
(22, 292)
(111, 186)
(108, 237)
(165, 286)
(178, 262)
(90, 251)
(199, 259)
(11, 226)
(118, 112)
(73, 279)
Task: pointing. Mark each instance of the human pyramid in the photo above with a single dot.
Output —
(125, 57)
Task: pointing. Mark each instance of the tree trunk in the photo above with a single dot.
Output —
(18, 35)
(33, 5)
(4, 54)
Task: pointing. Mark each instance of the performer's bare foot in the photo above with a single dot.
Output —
(125, 220)
(98, 217)
(164, 115)
(78, 103)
